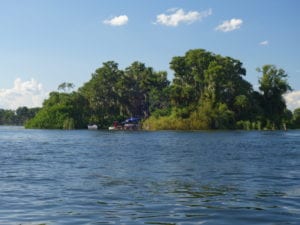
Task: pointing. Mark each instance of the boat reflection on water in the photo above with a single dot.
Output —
(129, 124)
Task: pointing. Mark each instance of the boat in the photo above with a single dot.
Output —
(129, 124)
(92, 127)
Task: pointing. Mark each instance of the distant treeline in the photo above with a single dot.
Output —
(17, 117)
(208, 91)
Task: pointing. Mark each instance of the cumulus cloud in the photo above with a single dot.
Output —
(292, 100)
(117, 21)
(177, 16)
(24, 93)
(266, 42)
(230, 25)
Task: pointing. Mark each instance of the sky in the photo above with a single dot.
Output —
(46, 43)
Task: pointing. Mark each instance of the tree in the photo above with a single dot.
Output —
(7, 117)
(144, 88)
(212, 85)
(23, 114)
(61, 111)
(273, 84)
(66, 87)
(208, 92)
(17, 117)
(296, 118)
(103, 95)
(114, 94)
(189, 80)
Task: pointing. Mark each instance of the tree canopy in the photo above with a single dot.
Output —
(18, 116)
(208, 91)
(273, 84)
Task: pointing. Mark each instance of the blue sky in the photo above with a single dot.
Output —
(45, 43)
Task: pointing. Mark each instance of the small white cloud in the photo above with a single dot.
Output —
(230, 25)
(292, 100)
(266, 42)
(28, 93)
(178, 16)
(117, 21)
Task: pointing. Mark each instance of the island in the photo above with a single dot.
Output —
(208, 91)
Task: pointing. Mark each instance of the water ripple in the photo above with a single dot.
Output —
(83, 177)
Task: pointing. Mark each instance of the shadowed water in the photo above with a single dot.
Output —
(102, 177)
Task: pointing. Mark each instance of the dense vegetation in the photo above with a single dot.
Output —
(17, 117)
(208, 91)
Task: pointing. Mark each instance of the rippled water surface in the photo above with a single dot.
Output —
(101, 177)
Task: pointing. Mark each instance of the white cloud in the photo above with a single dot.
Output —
(292, 100)
(266, 42)
(28, 93)
(230, 25)
(117, 21)
(178, 16)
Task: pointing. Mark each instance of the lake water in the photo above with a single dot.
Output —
(101, 177)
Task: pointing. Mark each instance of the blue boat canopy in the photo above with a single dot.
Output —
(132, 120)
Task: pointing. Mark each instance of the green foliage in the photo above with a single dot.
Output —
(248, 125)
(66, 87)
(102, 91)
(161, 112)
(273, 84)
(204, 118)
(22, 114)
(7, 117)
(49, 118)
(296, 118)
(114, 94)
(61, 111)
(17, 117)
(166, 123)
(208, 91)
(68, 124)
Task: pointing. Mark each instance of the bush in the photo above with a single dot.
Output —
(54, 117)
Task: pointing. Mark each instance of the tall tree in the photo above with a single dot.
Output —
(273, 84)
(103, 94)
(142, 83)
(66, 87)
(189, 80)
(224, 83)
(211, 84)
